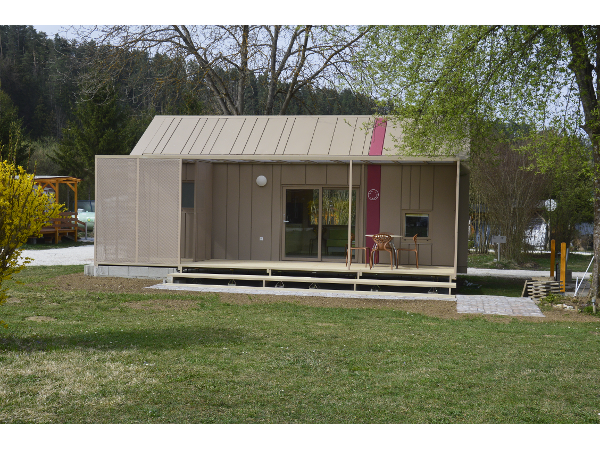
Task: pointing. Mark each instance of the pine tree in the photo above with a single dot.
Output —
(13, 147)
(100, 128)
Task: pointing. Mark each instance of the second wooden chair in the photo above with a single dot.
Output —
(366, 249)
(416, 250)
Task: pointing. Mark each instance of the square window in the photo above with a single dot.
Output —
(416, 223)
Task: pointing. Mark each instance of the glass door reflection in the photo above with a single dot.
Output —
(301, 220)
(316, 223)
(334, 222)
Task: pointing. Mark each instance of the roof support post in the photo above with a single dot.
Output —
(349, 251)
(456, 217)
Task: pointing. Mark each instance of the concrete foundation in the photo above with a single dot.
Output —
(154, 273)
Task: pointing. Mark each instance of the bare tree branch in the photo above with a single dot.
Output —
(285, 58)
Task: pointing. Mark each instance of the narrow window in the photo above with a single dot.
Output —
(187, 194)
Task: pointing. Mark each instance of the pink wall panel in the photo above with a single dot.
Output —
(374, 182)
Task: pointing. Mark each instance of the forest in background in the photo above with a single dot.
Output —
(49, 116)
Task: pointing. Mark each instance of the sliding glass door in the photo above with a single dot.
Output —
(301, 220)
(316, 223)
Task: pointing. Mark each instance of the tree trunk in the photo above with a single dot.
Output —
(583, 70)
(596, 273)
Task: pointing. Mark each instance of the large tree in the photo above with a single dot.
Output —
(101, 127)
(12, 145)
(450, 84)
(288, 58)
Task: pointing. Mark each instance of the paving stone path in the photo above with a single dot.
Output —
(504, 306)
(468, 304)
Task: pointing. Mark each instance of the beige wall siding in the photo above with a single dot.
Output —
(426, 187)
(420, 188)
(187, 234)
(390, 204)
(139, 210)
(316, 174)
(261, 213)
(276, 213)
(245, 218)
(159, 211)
(203, 209)
(442, 220)
(116, 197)
(233, 210)
(252, 212)
(244, 212)
(219, 225)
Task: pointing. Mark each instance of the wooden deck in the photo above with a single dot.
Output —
(325, 277)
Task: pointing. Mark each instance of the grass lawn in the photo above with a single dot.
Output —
(533, 261)
(488, 285)
(159, 357)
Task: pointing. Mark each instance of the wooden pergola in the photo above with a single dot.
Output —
(67, 223)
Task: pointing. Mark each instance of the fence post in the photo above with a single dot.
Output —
(563, 266)
(552, 257)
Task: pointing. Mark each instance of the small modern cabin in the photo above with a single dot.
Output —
(266, 201)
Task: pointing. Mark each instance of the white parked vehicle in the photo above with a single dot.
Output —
(86, 214)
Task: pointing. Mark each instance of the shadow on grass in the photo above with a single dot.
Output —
(173, 338)
(481, 285)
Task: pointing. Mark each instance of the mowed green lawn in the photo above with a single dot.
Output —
(161, 357)
(532, 261)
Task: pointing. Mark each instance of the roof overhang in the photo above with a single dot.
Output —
(296, 159)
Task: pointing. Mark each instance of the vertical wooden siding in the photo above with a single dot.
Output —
(243, 212)
(203, 199)
(420, 188)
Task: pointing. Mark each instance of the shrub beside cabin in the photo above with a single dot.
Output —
(263, 201)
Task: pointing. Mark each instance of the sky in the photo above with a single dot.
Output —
(62, 30)
(52, 30)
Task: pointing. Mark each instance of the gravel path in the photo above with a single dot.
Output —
(61, 256)
(514, 273)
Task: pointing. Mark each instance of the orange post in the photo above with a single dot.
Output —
(552, 257)
(563, 266)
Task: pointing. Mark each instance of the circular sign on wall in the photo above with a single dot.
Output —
(373, 194)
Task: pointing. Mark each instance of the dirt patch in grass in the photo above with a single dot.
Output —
(40, 319)
(79, 281)
(433, 308)
(161, 304)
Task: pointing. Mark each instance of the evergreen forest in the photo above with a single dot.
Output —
(55, 116)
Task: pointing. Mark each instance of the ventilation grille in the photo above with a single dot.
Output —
(156, 195)
(159, 210)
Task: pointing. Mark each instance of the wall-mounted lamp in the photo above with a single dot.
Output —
(261, 180)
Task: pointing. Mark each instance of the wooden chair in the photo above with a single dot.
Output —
(383, 242)
(416, 250)
(366, 249)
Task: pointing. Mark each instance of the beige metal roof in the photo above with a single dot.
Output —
(272, 138)
(334, 136)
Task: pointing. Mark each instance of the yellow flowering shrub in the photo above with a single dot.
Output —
(24, 209)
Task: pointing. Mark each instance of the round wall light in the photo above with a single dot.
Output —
(261, 180)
